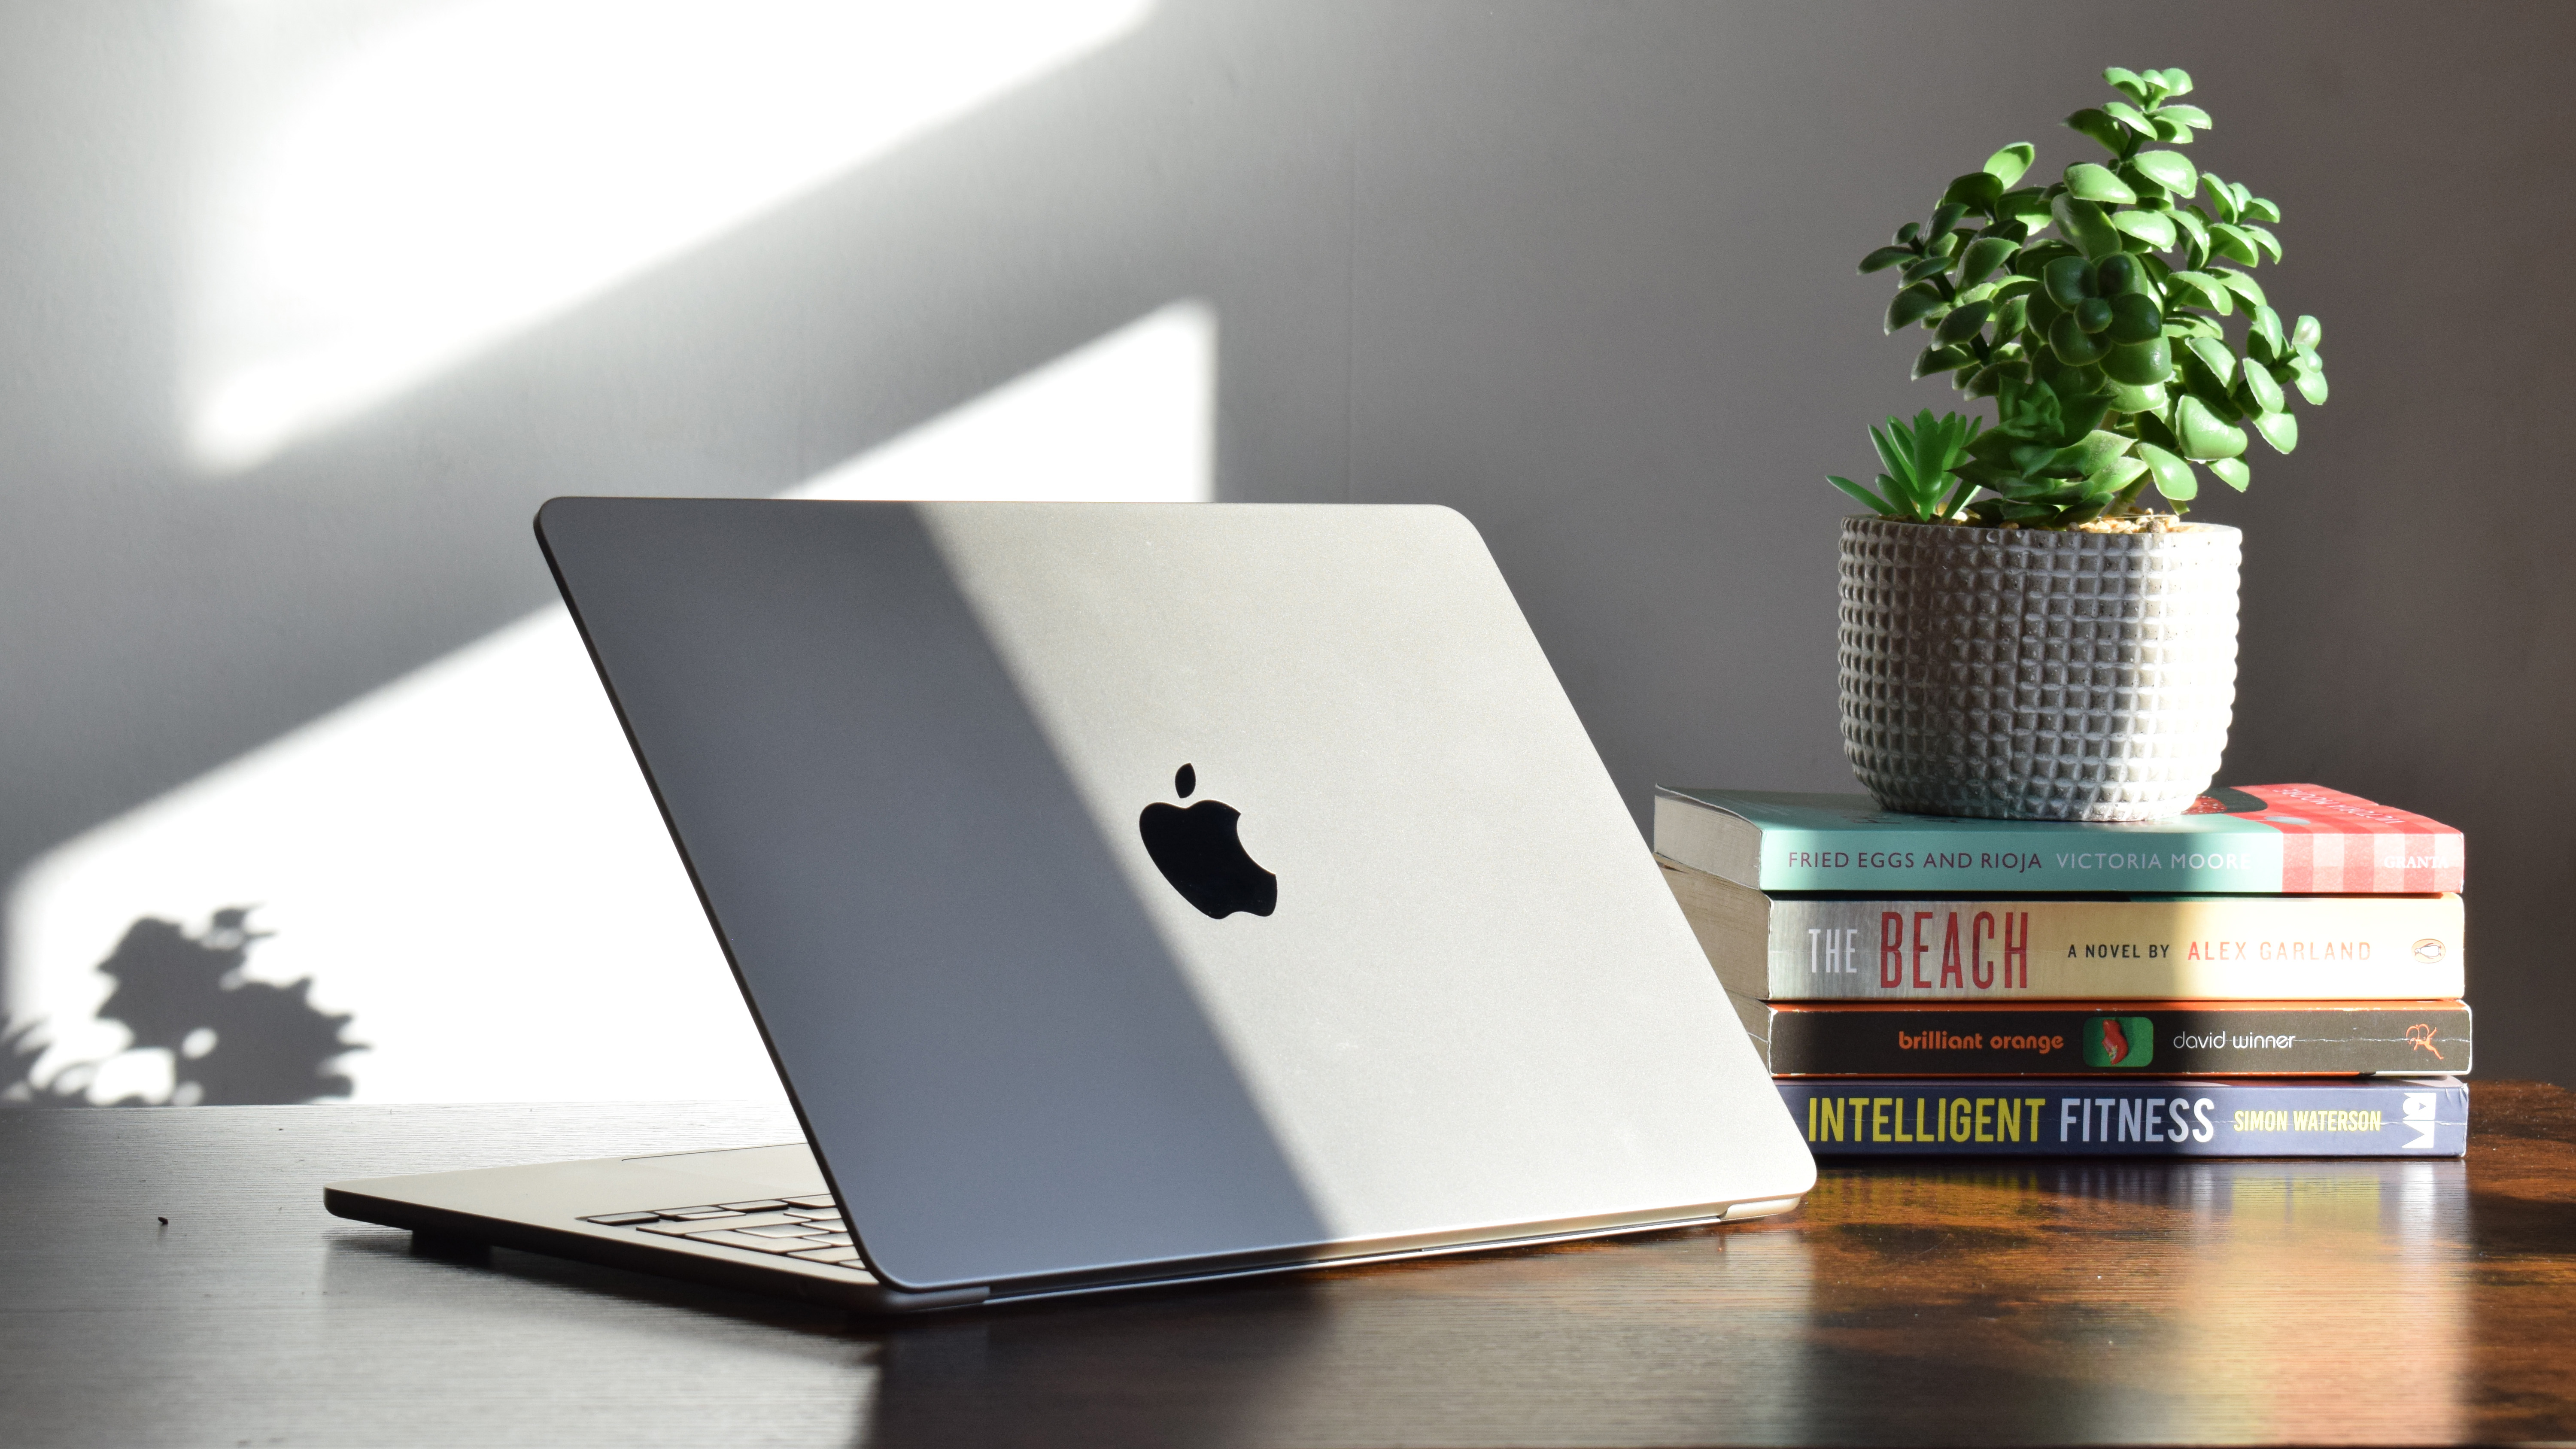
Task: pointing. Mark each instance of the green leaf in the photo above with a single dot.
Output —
(2265, 326)
(2089, 182)
(2171, 170)
(1868, 500)
(2099, 125)
(2257, 391)
(1963, 323)
(2151, 429)
(1933, 360)
(2183, 324)
(2192, 116)
(2007, 165)
(1982, 257)
(2221, 200)
(2129, 116)
(2311, 383)
(2233, 243)
(2239, 283)
(2080, 413)
(2068, 280)
(1944, 218)
(2127, 81)
(2139, 398)
(1978, 191)
(2170, 131)
(2213, 355)
(1885, 257)
(2206, 291)
(2115, 475)
(2193, 224)
(1906, 234)
(2028, 206)
(2309, 333)
(2012, 314)
(2151, 194)
(1890, 456)
(2261, 210)
(2117, 276)
(2135, 318)
(2090, 453)
(1920, 268)
(2281, 430)
(2173, 475)
(2041, 314)
(1912, 305)
(2139, 364)
(2155, 228)
(2073, 345)
(2175, 80)
(2231, 471)
(2263, 238)
(2203, 433)
(2085, 224)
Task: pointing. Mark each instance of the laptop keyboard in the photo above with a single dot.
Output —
(809, 1229)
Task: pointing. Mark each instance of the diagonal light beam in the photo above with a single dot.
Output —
(378, 208)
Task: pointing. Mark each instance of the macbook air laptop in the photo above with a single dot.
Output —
(1130, 894)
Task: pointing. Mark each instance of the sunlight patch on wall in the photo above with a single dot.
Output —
(466, 861)
(385, 191)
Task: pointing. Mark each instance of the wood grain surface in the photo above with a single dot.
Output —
(2257, 1301)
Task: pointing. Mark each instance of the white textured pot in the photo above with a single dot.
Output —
(2026, 674)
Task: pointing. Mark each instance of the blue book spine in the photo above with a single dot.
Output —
(2131, 1117)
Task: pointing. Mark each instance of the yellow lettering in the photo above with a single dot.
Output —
(1985, 1119)
(1878, 1118)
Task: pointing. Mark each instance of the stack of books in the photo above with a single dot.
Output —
(2277, 973)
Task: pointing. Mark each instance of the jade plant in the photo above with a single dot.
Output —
(2113, 317)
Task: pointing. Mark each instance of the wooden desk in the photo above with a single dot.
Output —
(2408, 1301)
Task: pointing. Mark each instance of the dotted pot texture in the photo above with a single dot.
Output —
(2024, 674)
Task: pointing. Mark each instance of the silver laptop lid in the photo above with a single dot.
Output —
(913, 754)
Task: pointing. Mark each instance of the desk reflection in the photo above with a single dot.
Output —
(2004, 1302)
(2119, 1301)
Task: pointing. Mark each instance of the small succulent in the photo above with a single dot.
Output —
(1919, 485)
(2105, 345)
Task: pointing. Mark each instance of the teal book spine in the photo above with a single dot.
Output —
(2254, 840)
(2134, 1117)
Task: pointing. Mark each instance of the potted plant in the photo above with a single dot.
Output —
(2029, 627)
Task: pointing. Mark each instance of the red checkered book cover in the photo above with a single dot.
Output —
(2334, 843)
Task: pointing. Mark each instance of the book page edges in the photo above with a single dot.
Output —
(1708, 839)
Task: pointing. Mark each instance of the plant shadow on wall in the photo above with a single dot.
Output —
(231, 1041)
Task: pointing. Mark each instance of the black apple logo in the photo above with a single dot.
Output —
(1196, 850)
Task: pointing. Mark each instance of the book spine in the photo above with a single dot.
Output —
(1981, 1041)
(2258, 948)
(2137, 1117)
(2230, 857)
(2331, 841)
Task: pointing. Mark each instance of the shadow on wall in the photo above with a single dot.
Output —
(184, 1002)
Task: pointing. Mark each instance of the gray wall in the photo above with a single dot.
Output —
(1581, 271)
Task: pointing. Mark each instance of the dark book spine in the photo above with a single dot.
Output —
(2138, 1116)
(2121, 1040)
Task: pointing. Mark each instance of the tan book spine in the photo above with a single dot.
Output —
(2041, 948)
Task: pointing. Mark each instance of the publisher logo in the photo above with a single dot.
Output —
(2428, 949)
(2119, 1041)
(2421, 1036)
(2419, 1115)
